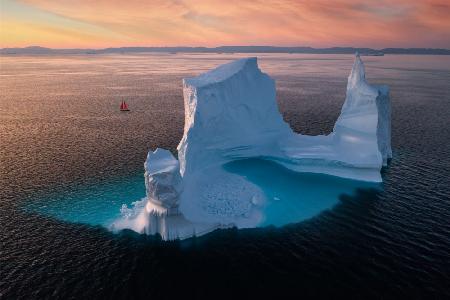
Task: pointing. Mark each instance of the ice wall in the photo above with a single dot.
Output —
(230, 111)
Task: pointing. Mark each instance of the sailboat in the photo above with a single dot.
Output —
(124, 106)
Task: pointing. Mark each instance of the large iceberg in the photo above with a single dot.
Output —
(231, 113)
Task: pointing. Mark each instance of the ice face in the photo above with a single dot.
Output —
(230, 111)
(231, 114)
(365, 119)
(162, 178)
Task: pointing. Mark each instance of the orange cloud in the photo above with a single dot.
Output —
(319, 23)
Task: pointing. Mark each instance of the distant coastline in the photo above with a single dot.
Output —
(36, 50)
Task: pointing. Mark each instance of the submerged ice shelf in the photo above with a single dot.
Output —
(231, 115)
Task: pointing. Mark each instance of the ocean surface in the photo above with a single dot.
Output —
(69, 159)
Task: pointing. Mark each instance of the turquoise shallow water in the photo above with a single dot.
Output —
(291, 197)
(91, 203)
(294, 197)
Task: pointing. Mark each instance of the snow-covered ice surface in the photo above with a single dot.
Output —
(231, 115)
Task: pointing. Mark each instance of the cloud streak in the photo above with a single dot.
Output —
(318, 23)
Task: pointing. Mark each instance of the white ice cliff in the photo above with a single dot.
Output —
(231, 113)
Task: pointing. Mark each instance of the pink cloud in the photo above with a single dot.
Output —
(386, 23)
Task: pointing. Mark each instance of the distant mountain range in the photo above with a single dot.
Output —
(227, 49)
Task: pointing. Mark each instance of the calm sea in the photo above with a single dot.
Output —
(69, 159)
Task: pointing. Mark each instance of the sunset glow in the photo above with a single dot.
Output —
(319, 23)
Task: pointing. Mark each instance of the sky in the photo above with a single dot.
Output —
(316, 23)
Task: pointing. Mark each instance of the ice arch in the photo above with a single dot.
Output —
(231, 113)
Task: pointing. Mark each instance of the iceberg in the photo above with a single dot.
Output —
(231, 114)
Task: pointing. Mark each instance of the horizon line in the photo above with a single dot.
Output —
(226, 46)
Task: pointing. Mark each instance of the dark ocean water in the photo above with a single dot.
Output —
(68, 158)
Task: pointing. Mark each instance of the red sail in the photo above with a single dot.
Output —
(121, 105)
(125, 105)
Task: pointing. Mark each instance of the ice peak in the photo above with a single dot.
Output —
(358, 73)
